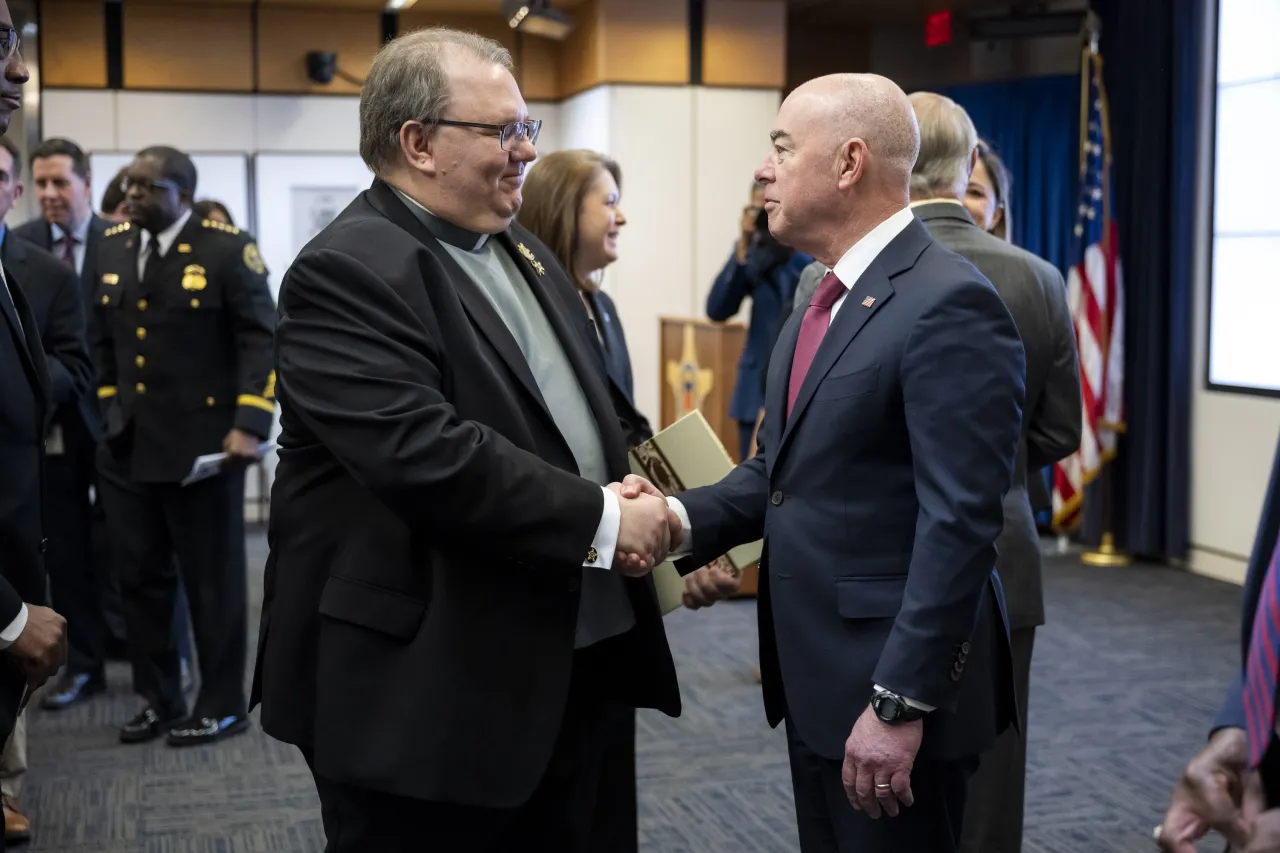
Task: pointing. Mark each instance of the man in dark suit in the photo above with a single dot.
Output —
(33, 637)
(892, 419)
(1222, 789)
(53, 290)
(186, 326)
(68, 229)
(1036, 296)
(443, 624)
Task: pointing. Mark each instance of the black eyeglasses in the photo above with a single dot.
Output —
(509, 135)
(9, 42)
(127, 184)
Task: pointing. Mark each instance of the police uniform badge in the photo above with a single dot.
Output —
(193, 278)
(253, 259)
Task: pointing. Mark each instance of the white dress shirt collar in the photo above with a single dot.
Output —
(166, 237)
(79, 232)
(855, 261)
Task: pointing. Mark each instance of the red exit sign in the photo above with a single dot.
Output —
(937, 29)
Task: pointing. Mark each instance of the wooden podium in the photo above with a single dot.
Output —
(698, 369)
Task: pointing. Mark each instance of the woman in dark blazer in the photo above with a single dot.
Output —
(571, 203)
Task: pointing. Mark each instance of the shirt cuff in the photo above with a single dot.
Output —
(603, 546)
(686, 542)
(913, 703)
(11, 634)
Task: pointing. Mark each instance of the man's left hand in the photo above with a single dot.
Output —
(1264, 835)
(878, 759)
(240, 446)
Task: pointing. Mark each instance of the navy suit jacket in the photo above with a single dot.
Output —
(616, 363)
(1232, 713)
(768, 292)
(880, 500)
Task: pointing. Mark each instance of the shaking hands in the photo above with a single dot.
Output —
(649, 529)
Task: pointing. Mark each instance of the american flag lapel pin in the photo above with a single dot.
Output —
(868, 302)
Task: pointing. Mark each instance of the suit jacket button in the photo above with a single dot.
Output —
(777, 499)
(955, 675)
(44, 545)
(572, 584)
(964, 648)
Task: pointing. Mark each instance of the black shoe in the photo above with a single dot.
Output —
(73, 688)
(148, 725)
(200, 730)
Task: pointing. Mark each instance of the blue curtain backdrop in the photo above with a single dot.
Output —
(1034, 125)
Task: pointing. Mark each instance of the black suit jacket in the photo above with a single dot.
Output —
(428, 525)
(39, 232)
(880, 501)
(610, 348)
(53, 292)
(24, 395)
(1036, 296)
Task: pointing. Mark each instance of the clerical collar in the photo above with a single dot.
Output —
(445, 232)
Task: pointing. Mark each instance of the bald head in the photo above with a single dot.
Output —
(867, 107)
(948, 141)
(843, 147)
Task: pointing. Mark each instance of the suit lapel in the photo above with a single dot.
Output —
(541, 281)
(26, 332)
(474, 302)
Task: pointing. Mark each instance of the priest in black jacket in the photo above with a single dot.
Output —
(444, 621)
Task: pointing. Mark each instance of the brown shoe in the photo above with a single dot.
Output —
(17, 828)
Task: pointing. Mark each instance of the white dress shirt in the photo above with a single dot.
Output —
(165, 238)
(14, 629)
(81, 235)
(848, 269)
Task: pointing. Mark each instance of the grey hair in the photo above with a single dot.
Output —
(408, 81)
(947, 140)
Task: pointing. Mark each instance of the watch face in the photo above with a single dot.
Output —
(886, 708)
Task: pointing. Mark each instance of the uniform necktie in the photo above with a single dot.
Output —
(152, 250)
(817, 317)
(1262, 665)
(69, 250)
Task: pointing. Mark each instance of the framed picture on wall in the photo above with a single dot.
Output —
(221, 177)
(297, 195)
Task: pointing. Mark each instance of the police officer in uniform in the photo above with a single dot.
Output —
(185, 323)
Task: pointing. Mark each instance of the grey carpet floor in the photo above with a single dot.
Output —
(1128, 673)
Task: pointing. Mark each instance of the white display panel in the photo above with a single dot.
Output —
(222, 177)
(297, 195)
(1244, 291)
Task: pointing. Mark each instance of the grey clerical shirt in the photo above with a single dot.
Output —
(604, 610)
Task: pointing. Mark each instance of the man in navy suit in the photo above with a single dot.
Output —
(1219, 790)
(893, 413)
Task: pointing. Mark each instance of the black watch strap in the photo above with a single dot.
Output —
(892, 708)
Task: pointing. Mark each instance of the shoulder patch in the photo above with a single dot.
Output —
(253, 259)
(117, 229)
(218, 226)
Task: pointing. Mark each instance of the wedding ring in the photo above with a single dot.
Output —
(882, 785)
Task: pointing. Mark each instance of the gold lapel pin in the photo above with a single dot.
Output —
(533, 262)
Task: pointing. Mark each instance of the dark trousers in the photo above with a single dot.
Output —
(203, 526)
(563, 814)
(829, 824)
(76, 579)
(993, 816)
(614, 829)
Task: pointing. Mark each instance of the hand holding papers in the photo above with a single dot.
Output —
(212, 464)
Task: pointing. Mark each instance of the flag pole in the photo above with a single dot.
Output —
(1106, 554)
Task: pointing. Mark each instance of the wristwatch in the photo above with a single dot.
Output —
(892, 708)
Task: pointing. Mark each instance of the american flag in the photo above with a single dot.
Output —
(1095, 287)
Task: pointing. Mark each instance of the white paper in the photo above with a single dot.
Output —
(210, 465)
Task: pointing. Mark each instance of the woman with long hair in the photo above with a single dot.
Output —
(987, 198)
(571, 203)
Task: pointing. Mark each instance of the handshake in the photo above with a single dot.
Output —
(649, 530)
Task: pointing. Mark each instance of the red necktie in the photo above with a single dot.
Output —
(1261, 666)
(817, 317)
(69, 250)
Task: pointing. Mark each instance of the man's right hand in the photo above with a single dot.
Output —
(42, 645)
(1217, 791)
(644, 534)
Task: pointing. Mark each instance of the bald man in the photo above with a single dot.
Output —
(893, 410)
